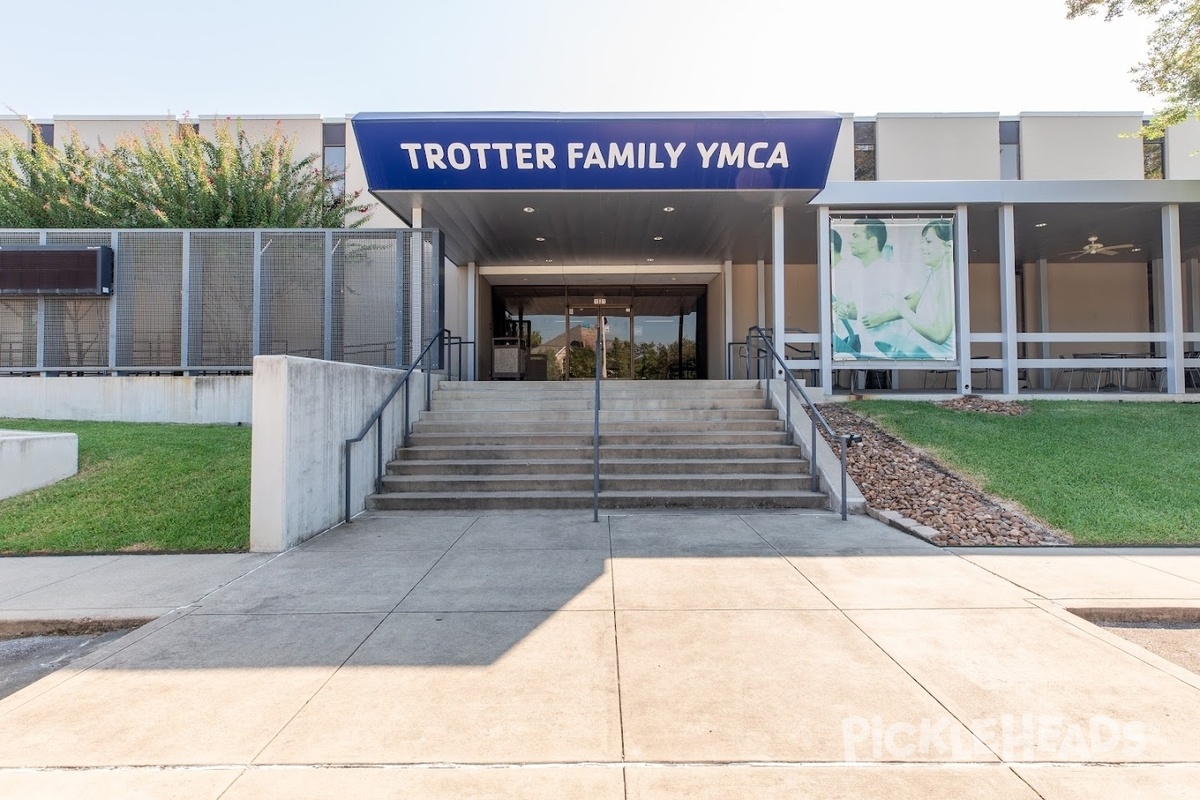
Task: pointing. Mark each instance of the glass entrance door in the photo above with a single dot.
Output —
(644, 332)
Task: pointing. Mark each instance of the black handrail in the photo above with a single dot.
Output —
(814, 416)
(375, 420)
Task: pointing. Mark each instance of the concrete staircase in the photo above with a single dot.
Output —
(684, 444)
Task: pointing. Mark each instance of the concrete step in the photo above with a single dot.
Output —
(485, 439)
(528, 451)
(697, 483)
(607, 416)
(648, 387)
(611, 500)
(585, 427)
(621, 404)
(608, 467)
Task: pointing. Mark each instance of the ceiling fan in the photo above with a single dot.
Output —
(1095, 247)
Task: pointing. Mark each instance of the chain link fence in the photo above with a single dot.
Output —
(208, 301)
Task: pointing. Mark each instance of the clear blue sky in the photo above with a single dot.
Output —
(863, 56)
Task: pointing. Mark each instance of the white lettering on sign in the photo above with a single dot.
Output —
(732, 156)
(593, 155)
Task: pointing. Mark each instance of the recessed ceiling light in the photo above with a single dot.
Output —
(649, 259)
(528, 209)
(1041, 225)
(541, 238)
(525, 279)
(658, 238)
(668, 209)
(1137, 249)
(549, 260)
(674, 279)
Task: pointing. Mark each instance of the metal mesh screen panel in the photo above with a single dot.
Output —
(76, 332)
(384, 303)
(13, 238)
(222, 298)
(18, 332)
(293, 292)
(147, 291)
(364, 264)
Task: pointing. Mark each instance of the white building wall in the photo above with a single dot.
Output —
(15, 126)
(1082, 146)
(1182, 141)
(303, 129)
(842, 167)
(937, 147)
(95, 131)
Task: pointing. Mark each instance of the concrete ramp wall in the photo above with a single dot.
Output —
(304, 410)
(202, 399)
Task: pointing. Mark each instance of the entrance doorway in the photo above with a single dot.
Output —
(645, 332)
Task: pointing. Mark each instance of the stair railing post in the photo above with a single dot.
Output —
(346, 449)
(790, 438)
(812, 466)
(404, 437)
(596, 435)
(379, 456)
(845, 511)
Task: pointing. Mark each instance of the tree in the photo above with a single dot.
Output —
(1171, 70)
(170, 179)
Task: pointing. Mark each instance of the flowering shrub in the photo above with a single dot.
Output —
(171, 178)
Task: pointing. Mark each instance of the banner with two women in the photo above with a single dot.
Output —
(893, 288)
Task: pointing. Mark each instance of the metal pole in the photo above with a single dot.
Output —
(379, 455)
(347, 449)
(788, 393)
(596, 436)
(812, 467)
(404, 438)
(845, 512)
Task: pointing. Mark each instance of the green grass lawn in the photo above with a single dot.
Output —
(1107, 473)
(140, 488)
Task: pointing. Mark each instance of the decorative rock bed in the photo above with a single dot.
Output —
(910, 490)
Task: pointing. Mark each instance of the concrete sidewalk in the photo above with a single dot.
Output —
(650, 656)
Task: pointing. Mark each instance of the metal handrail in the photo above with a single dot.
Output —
(376, 418)
(596, 433)
(814, 415)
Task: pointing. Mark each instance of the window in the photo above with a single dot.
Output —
(864, 151)
(1154, 159)
(46, 131)
(1010, 150)
(333, 153)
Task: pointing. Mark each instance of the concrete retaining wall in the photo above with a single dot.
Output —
(31, 459)
(142, 398)
(304, 410)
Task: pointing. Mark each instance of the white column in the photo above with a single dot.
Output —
(762, 294)
(962, 287)
(1008, 301)
(1173, 298)
(825, 300)
(1043, 287)
(727, 279)
(777, 284)
(472, 316)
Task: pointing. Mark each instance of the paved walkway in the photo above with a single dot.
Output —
(647, 657)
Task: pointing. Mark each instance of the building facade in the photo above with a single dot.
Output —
(1047, 252)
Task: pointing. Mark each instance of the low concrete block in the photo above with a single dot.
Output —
(32, 459)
